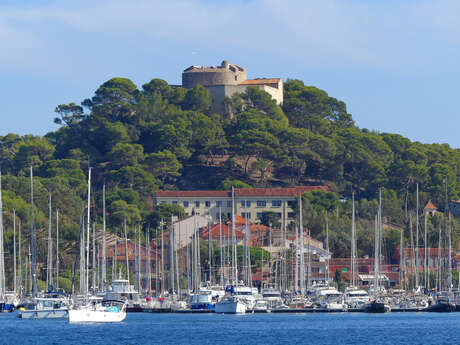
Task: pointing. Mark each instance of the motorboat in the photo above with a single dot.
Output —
(444, 304)
(377, 306)
(9, 302)
(47, 308)
(230, 304)
(245, 294)
(121, 290)
(202, 300)
(99, 311)
(273, 299)
(261, 306)
(330, 299)
(356, 298)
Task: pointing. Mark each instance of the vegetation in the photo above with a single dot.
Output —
(138, 140)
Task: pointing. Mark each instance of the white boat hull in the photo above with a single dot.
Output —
(43, 314)
(230, 308)
(86, 315)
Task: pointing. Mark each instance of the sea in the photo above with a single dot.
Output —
(310, 328)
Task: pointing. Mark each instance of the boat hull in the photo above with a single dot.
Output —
(442, 307)
(230, 308)
(94, 316)
(43, 314)
(6, 307)
(377, 307)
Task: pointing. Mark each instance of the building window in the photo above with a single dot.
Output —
(291, 215)
(248, 203)
(259, 215)
(218, 203)
(197, 204)
(246, 215)
(261, 203)
(229, 203)
(207, 204)
(290, 203)
(278, 214)
(174, 202)
(185, 203)
(243, 203)
(229, 215)
(276, 203)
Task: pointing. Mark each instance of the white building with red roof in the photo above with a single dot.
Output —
(249, 202)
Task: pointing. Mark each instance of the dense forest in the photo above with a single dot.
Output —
(161, 137)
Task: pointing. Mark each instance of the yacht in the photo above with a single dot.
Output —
(99, 311)
(246, 295)
(50, 307)
(356, 298)
(261, 306)
(9, 303)
(203, 299)
(230, 304)
(121, 290)
(273, 299)
(330, 299)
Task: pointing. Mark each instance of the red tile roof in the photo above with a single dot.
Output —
(241, 192)
(430, 206)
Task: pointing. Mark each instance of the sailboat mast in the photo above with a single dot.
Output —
(302, 245)
(353, 241)
(220, 245)
(425, 261)
(2, 258)
(234, 257)
(104, 243)
(57, 248)
(20, 281)
(327, 249)
(88, 221)
(416, 243)
(49, 270)
(449, 276)
(171, 256)
(94, 268)
(126, 247)
(15, 281)
(33, 241)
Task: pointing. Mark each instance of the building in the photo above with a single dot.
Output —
(430, 209)
(227, 79)
(454, 207)
(249, 202)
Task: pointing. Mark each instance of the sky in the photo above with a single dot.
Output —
(395, 63)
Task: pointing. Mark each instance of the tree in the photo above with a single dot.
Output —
(163, 165)
(125, 154)
(70, 114)
(197, 99)
(114, 100)
(164, 212)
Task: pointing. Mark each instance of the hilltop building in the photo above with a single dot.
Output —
(227, 79)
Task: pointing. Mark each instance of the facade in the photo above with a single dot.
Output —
(250, 203)
(227, 79)
(430, 209)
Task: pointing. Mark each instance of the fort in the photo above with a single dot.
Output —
(226, 80)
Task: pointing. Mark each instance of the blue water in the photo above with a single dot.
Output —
(357, 328)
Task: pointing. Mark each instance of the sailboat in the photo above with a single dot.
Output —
(53, 304)
(8, 300)
(95, 309)
(232, 303)
(378, 304)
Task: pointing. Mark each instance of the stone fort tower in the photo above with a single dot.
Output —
(228, 79)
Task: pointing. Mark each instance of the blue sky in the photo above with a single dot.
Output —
(394, 63)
